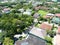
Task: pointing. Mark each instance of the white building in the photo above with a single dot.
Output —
(27, 13)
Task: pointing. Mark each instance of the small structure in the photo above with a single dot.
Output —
(36, 15)
(27, 13)
(6, 10)
(5, 1)
(36, 8)
(36, 3)
(49, 15)
(46, 26)
(41, 7)
(21, 10)
(56, 20)
(19, 35)
(35, 21)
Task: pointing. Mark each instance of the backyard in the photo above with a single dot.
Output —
(42, 12)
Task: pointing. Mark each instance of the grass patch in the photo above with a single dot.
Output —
(42, 12)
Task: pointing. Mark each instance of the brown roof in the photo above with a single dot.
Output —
(37, 8)
(46, 26)
(41, 7)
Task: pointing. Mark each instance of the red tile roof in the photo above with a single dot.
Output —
(46, 26)
(58, 15)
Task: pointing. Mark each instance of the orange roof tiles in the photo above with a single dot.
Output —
(46, 26)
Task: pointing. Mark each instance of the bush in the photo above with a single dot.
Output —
(48, 44)
(8, 41)
(48, 39)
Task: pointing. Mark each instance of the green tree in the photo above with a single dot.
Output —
(51, 33)
(8, 41)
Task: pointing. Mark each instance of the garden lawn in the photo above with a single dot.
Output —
(42, 12)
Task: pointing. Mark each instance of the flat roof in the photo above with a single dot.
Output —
(31, 40)
(38, 32)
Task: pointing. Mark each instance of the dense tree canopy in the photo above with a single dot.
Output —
(13, 23)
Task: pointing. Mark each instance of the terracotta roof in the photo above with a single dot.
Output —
(58, 15)
(46, 26)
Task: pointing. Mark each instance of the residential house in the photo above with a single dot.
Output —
(36, 8)
(35, 20)
(46, 26)
(56, 19)
(27, 13)
(35, 3)
(4, 1)
(6, 10)
(41, 7)
(49, 15)
(21, 10)
(36, 37)
(38, 32)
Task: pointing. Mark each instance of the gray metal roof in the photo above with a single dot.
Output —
(32, 40)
